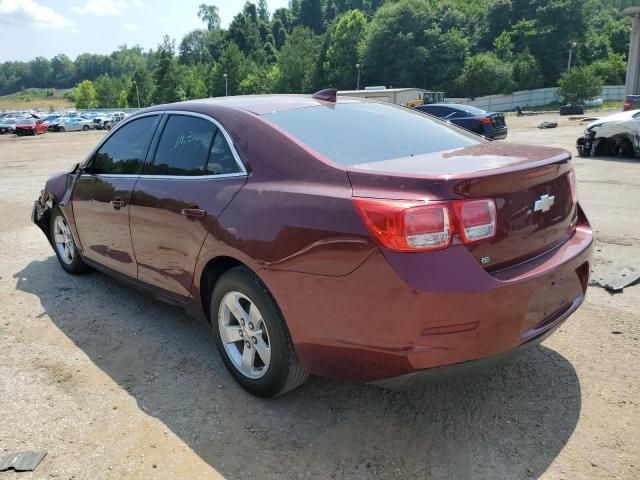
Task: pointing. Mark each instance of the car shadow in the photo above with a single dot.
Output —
(508, 422)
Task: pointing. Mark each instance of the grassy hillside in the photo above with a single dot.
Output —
(35, 99)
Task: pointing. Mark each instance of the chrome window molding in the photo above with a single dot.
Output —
(232, 147)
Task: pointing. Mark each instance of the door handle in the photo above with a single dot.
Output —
(193, 212)
(117, 203)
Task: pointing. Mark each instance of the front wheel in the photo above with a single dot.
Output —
(64, 245)
(252, 337)
(85, 127)
(61, 129)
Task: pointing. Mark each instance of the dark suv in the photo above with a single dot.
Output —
(632, 102)
(490, 125)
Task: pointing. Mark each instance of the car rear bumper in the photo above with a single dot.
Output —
(398, 314)
(465, 368)
(498, 134)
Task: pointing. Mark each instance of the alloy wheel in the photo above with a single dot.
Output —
(64, 240)
(244, 335)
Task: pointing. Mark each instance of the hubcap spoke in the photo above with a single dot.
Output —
(59, 238)
(231, 334)
(237, 310)
(248, 357)
(63, 240)
(264, 351)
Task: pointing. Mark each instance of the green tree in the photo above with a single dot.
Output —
(403, 48)
(165, 75)
(296, 61)
(526, 72)
(142, 88)
(260, 82)
(193, 48)
(311, 15)
(486, 74)
(244, 30)
(263, 11)
(579, 84)
(343, 53)
(235, 65)
(612, 69)
(85, 95)
(62, 71)
(210, 15)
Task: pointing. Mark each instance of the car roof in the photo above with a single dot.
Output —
(257, 104)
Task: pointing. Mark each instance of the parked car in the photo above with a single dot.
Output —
(107, 121)
(632, 102)
(617, 134)
(8, 124)
(30, 126)
(490, 125)
(572, 109)
(330, 236)
(71, 124)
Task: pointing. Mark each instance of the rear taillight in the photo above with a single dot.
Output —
(476, 219)
(573, 190)
(627, 105)
(405, 226)
(413, 226)
(485, 120)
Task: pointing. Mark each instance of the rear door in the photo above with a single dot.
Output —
(101, 195)
(191, 175)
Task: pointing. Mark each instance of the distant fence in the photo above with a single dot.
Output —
(125, 110)
(531, 98)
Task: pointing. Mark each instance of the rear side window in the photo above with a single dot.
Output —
(183, 148)
(221, 161)
(124, 151)
(355, 133)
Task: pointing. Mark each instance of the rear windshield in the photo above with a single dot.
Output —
(469, 109)
(354, 133)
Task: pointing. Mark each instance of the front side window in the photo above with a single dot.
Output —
(361, 132)
(183, 148)
(124, 152)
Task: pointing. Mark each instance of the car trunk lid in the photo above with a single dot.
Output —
(529, 185)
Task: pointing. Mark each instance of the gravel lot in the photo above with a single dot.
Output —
(114, 384)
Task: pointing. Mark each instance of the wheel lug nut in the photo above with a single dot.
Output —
(241, 333)
(248, 344)
(250, 326)
(242, 322)
(255, 340)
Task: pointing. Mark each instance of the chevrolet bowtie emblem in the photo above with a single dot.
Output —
(544, 203)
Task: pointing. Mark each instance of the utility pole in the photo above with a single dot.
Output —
(226, 85)
(571, 47)
(358, 83)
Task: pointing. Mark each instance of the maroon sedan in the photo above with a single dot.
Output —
(336, 237)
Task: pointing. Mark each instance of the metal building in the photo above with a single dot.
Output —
(399, 96)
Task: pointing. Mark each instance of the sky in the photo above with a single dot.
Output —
(32, 28)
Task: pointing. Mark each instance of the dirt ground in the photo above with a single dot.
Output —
(113, 384)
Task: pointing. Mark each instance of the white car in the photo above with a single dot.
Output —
(617, 134)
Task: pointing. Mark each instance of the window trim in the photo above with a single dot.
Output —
(219, 127)
(164, 114)
(88, 163)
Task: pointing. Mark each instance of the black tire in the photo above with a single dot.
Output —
(284, 372)
(85, 128)
(61, 129)
(75, 266)
(108, 127)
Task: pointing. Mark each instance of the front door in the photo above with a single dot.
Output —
(186, 183)
(102, 194)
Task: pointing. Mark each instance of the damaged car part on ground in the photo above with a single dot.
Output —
(617, 135)
(334, 237)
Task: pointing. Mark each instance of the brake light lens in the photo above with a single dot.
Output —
(414, 226)
(573, 189)
(405, 226)
(477, 219)
(627, 105)
(485, 120)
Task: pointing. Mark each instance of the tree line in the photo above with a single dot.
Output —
(465, 48)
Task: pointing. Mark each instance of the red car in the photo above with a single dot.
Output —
(336, 237)
(30, 126)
